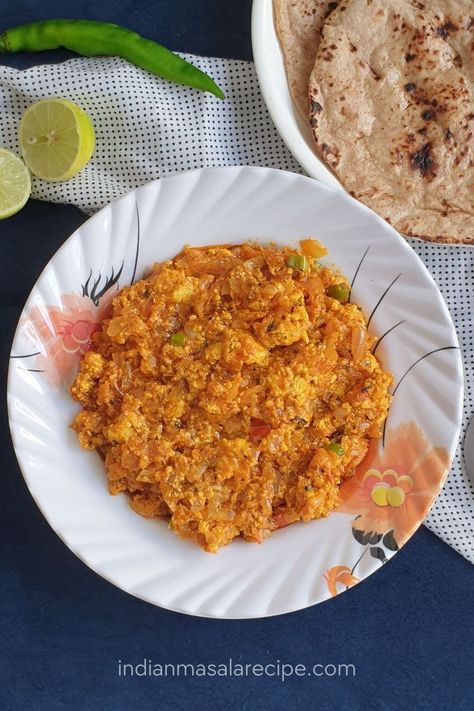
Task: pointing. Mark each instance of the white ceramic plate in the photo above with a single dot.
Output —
(304, 563)
(270, 67)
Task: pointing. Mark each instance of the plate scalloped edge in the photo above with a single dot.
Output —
(141, 556)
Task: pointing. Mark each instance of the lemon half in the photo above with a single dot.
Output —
(57, 139)
(15, 183)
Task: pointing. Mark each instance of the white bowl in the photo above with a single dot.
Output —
(270, 68)
(304, 563)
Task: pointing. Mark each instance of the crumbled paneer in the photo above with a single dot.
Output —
(232, 391)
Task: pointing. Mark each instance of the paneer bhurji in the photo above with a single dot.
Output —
(232, 391)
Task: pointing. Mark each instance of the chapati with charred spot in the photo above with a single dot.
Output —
(299, 24)
(393, 85)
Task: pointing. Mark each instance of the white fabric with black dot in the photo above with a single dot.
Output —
(147, 128)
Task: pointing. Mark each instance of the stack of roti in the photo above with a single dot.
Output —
(387, 88)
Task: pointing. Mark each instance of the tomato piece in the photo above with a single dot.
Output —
(258, 429)
(283, 518)
(313, 248)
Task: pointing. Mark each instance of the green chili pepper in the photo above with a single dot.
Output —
(177, 339)
(340, 292)
(297, 261)
(336, 448)
(103, 38)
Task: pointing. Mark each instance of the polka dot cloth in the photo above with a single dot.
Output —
(147, 128)
(453, 270)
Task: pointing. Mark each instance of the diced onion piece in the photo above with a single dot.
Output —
(359, 342)
(201, 469)
(190, 333)
(269, 291)
(255, 263)
(126, 374)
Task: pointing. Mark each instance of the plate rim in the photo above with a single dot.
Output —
(229, 169)
(295, 141)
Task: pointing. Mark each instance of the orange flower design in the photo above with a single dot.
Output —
(394, 487)
(62, 334)
(339, 575)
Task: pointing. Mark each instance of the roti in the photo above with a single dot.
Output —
(392, 111)
(299, 24)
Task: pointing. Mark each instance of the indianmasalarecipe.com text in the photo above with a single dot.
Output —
(279, 670)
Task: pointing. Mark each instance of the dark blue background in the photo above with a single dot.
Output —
(408, 629)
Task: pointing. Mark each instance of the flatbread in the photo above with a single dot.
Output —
(299, 24)
(392, 111)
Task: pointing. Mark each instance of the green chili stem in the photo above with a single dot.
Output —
(91, 38)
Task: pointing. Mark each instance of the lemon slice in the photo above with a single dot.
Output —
(57, 139)
(15, 183)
